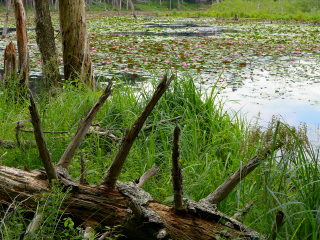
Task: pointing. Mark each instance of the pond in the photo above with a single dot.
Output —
(260, 68)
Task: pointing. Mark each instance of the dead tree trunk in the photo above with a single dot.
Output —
(10, 60)
(46, 44)
(5, 27)
(75, 45)
(23, 66)
(125, 204)
(132, 8)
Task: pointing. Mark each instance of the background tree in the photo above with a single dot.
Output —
(75, 45)
(46, 43)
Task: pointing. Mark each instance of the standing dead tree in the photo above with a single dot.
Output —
(23, 51)
(114, 203)
(75, 45)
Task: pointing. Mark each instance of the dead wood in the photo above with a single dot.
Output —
(145, 177)
(146, 128)
(112, 174)
(52, 132)
(5, 27)
(225, 188)
(41, 143)
(277, 224)
(82, 130)
(21, 29)
(89, 204)
(239, 216)
(83, 179)
(10, 60)
(176, 172)
(9, 144)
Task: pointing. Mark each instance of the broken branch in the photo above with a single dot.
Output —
(112, 174)
(239, 216)
(277, 224)
(225, 188)
(145, 177)
(176, 172)
(41, 143)
(146, 128)
(82, 130)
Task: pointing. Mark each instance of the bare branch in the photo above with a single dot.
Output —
(32, 226)
(82, 130)
(83, 179)
(17, 129)
(176, 172)
(112, 174)
(145, 177)
(277, 224)
(41, 143)
(106, 234)
(225, 188)
(3, 155)
(53, 132)
(239, 216)
(146, 128)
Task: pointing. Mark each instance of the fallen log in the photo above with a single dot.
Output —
(110, 208)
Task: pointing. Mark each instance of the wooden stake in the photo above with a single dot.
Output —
(112, 174)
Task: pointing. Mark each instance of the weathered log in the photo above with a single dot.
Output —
(112, 174)
(228, 185)
(23, 66)
(109, 208)
(10, 60)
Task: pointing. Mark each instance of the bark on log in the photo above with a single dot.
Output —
(10, 60)
(75, 44)
(112, 174)
(109, 208)
(22, 41)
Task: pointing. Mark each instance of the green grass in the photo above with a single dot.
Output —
(212, 145)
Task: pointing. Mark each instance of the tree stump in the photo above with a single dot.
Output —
(10, 60)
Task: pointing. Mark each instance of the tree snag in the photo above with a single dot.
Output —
(10, 60)
(46, 44)
(176, 172)
(75, 45)
(5, 27)
(112, 174)
(21, 29)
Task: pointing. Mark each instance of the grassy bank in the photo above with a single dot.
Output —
(213, 145)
